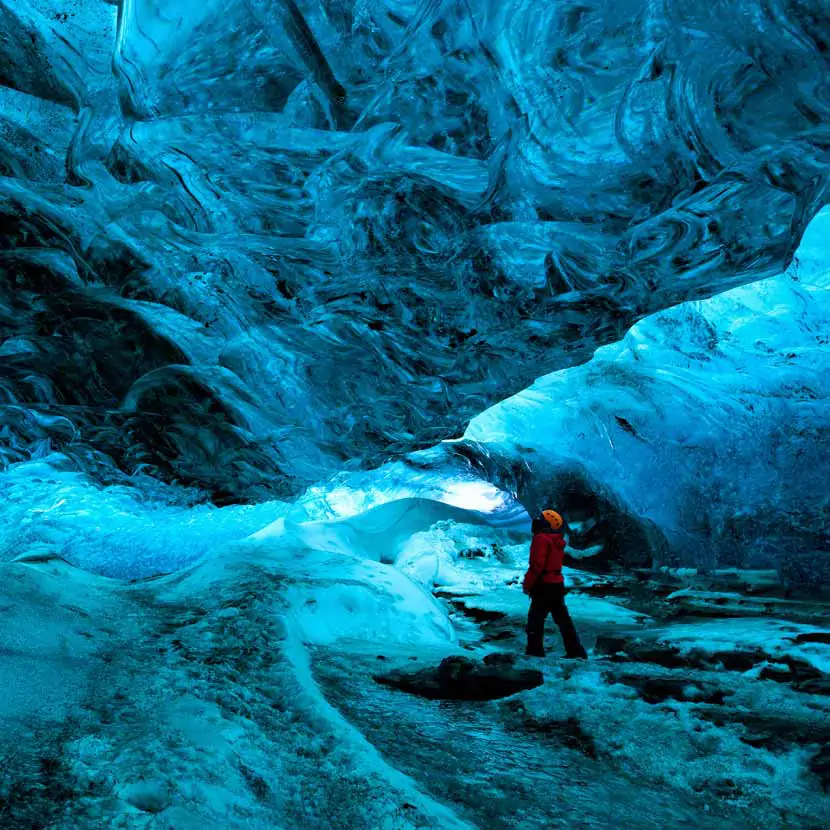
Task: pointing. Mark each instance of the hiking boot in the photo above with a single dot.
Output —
(577, 655)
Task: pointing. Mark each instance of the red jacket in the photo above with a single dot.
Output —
(547, 552)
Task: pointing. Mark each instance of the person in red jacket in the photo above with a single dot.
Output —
(545, 585)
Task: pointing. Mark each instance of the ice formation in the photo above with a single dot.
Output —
(306, 308)
(710, 419)
(247, 244)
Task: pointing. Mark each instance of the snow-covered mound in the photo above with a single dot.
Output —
(187, 701)
(380, 532)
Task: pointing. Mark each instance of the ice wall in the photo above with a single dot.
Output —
(247, 244)
(711, 419)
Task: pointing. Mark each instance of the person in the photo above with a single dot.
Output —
(545, 586)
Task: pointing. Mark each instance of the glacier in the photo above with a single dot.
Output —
(308, 308)
(252, 243)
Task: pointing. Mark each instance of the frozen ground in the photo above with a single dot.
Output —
(241, 691)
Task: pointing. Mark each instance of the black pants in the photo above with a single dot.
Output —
(550, 599)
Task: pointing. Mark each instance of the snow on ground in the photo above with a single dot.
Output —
(239, 692)
(671, 744)
(51, 617)
(680, 745)
(182, 702)
(730, 603)
(776, 638)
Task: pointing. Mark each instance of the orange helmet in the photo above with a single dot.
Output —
(552, 518)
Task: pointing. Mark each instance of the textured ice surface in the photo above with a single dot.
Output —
(248, 242)
(141, 528)
(712, 419)
(120, 531)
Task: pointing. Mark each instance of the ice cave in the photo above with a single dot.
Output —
(414, 414)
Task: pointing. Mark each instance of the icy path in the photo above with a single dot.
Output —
(466, 755)
(592, 748)
(239, 693)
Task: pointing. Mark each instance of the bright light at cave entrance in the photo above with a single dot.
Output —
(474, 495)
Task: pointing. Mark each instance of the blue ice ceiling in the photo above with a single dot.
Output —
(248, 244)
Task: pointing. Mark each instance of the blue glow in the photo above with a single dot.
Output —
(308, 308)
